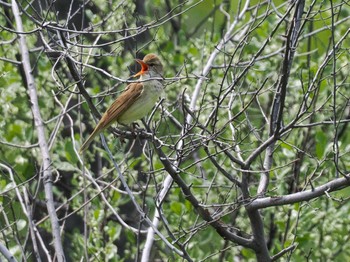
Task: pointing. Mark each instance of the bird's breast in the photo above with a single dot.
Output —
(152, 90)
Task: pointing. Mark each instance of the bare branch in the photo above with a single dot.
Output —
(7, 254)
(48, 184)
(306, 195)
(282, 252)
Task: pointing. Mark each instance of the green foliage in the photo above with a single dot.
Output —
(232, 118)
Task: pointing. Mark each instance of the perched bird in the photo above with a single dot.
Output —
(137, 99)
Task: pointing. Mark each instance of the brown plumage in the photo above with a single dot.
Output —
(136, 100)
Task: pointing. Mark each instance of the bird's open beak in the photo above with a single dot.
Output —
(144, 67)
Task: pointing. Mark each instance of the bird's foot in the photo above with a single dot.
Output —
(136, 129)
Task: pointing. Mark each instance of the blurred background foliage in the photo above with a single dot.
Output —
(184, 34)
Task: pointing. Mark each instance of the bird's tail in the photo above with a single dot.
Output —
(86, 144)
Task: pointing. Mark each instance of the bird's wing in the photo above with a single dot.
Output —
(131, 93)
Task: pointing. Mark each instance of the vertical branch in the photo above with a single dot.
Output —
(168, 181)
(47, 175)
(260, 246)
(335, 139)
(281, 92)
(262, 253)
(146, 252)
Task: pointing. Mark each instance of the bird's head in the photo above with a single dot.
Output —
(150, 65)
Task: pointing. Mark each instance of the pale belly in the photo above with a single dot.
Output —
(142, 106)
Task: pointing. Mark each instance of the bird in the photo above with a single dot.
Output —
(136, 101)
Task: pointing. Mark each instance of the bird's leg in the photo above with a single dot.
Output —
(120, 135)
(122, 140)
(136, 128)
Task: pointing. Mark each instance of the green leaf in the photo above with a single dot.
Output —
(176, 207)
(66, 166)
(321, 143)
(21, 224)
(286, 146)
(70, 153)
(247, 253)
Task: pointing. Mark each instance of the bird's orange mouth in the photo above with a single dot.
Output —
(144, 67)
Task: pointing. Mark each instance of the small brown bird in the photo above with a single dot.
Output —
(136, 101)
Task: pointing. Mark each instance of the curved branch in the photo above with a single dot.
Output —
(204, 213)
(307, 195)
